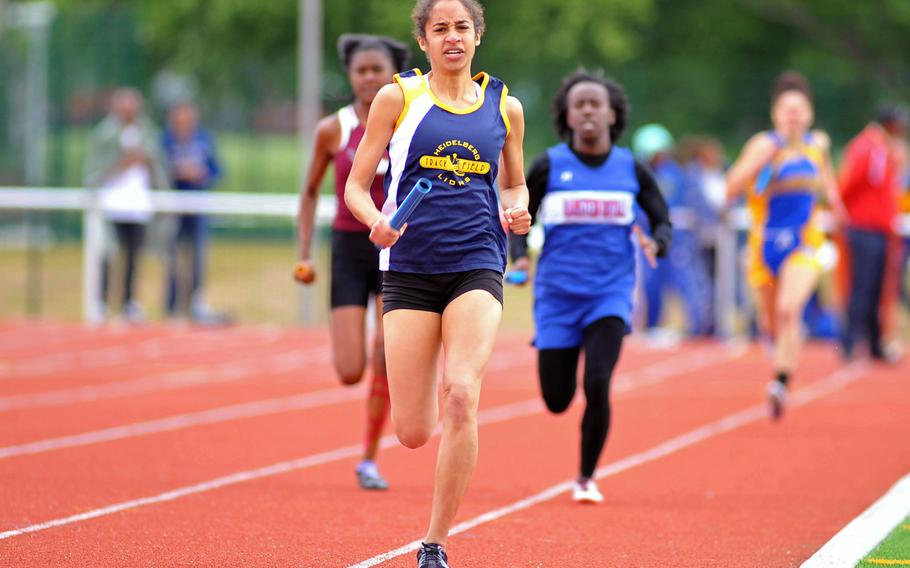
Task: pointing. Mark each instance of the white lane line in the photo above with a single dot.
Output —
(484, 417)
(493, 415)
(288, 361)
(61, 337)
(863, 533)
(257, 408)
(21, 335)
(177, 345)
(686, 362)
(837, 380)
(626, 382)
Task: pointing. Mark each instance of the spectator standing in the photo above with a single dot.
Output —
(193, 166)
(703, 173)
(125, 163)
(683, 269)
(905, 258)
(870, 181)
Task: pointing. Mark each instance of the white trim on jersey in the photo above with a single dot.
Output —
(587, 207)
(347, 117)
(399, 146)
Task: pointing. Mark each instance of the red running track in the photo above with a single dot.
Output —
(176, 473)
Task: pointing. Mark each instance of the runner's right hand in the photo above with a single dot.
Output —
(383, 235)
(304, 272)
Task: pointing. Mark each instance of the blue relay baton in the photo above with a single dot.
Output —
(517, 277)
(418, 192)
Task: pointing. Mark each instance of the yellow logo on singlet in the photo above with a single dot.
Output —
(448, 161)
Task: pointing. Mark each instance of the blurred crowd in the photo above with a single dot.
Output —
(870, 280)
(129, 156)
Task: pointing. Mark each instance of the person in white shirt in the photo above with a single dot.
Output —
(125, 164)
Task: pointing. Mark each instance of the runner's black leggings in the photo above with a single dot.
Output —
(129, 240)
(558, 368)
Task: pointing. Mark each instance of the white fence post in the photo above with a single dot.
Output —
(92, 255)
(725, 279)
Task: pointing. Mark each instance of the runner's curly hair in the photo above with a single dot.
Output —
(619, 102)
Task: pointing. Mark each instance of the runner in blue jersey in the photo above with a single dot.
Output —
(584, 192)
(442, 272)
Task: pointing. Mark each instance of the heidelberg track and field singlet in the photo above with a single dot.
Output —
(457, 226)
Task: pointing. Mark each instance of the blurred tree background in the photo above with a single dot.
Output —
(697, 66)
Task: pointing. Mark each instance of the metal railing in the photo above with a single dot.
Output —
(88, 202)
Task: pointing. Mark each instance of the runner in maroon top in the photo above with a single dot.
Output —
(371, 61)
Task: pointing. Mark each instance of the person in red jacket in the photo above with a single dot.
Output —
(870, 181)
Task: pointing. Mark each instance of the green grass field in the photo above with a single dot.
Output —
(893, 551)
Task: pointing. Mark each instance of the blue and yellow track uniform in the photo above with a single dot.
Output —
(784, 210)
(457, 226)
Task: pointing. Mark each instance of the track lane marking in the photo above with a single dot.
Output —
(625, 382)
(177, 344)
(490, 416)
(836, 381)
(487, 416)
(252, 366)
(865, 532)
(320, 398)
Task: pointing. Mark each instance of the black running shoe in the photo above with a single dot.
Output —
(431, 555)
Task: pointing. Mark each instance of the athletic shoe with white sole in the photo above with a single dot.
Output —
(431, 555)
(369, 477)
(585, 491)
(777, 399)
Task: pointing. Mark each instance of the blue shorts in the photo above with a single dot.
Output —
(779, 244)
(560, 320)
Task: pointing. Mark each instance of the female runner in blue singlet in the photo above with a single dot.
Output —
(584, 191)
(442, 273)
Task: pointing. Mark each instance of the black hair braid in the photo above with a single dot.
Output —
(349, 45)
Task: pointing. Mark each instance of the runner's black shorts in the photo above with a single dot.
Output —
(433, 292)
(355, 269)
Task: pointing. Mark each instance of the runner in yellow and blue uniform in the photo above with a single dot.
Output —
(442, 272)
(784, 171)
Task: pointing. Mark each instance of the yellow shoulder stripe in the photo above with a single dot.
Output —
(411, 87)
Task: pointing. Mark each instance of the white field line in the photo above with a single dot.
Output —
(288, 361)
(493, 415)
(253, 409)
(863, 533)
(18, 336)
(179, 343)
(149, 349)
(818, 389)
(687, 361)
(59, 336)
(649, 375)
(484, 417)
